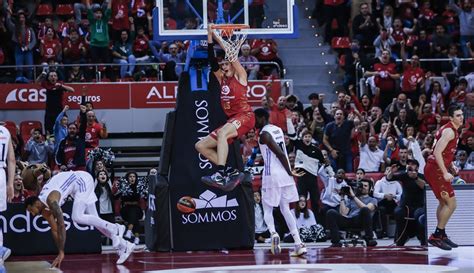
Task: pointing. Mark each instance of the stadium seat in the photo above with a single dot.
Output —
(64, 10)
(26, 127)
(44, 10)
(340, 42)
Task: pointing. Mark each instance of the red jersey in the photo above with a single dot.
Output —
(93, 135)
(73, 50)
(450, 150)
(278, 117)
(120, 8)
(234, 97)
(69, 153)
(384, 82)
(411, 78)
(266, 52)
(51, 49)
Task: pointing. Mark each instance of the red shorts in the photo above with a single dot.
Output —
(435, 179)
(243, 123)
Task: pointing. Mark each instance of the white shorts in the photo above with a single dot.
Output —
(3, 190)
(273, 196)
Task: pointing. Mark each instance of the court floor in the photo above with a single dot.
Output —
(382, 259)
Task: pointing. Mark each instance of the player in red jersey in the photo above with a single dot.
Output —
(439, 171)
(233, 81)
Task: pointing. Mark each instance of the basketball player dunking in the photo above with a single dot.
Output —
(439, 172)
(80, 185)
(233, 81)
(7, 160)
(278, 185)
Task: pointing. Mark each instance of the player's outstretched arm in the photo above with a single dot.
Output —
(58, 229)
(211, 54)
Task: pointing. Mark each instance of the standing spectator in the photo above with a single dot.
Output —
(130, 190)
(76, 74)
(123, 55)
(335, 9)
(103, 191)
(60, 128)
(441, 41)
(19, 192)
(24, 40)
(99, 41)
(337, 138)
(386, 19)
(253, 68)
(266, 50)
(413, 75)
(383, 42)
(364, 26)
(71, 153)
(50, 47)
(388, 193)
(385, 75)
(120, 17)
(422, 46)
(94, 130)
(261, 229)
(54, 97)
(173, 56)
(466, 23)
(83, 6)
(38, 149)
(279, 114)
(371, 157)
(74, 48)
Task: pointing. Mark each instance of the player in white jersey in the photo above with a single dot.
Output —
(278, 185)
(80, 186)
(7, 160)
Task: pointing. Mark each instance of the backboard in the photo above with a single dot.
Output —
(188, 19)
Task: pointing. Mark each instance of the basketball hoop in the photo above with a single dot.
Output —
(232, 38)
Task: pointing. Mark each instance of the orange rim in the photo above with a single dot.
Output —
(230, 26)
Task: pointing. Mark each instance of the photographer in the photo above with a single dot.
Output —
(412, 202)
(355, 210)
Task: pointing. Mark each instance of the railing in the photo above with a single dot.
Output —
(97, 70)
(360, 70)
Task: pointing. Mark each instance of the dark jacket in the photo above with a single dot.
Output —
(79, 142)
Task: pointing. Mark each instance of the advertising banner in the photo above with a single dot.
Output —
(28, 235)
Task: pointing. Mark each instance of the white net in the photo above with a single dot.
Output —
(232, 39)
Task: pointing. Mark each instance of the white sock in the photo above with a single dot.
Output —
(290, 221)
(268, 217)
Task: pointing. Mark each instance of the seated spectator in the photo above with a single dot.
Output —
(331, 193)
(130, 190)
(251, 69)
(50, 47)
(19, 192)
(355, 211)
(266, 50)
(141, 47)
(74, 48)
(371, 157)
(384, 41)
(174, 55)
(309, 229)
(412, 202)
(38, 149)
(76, 74)
(103, 191)
(123, 55)
(461, 161)
(388, 194)
(261, 229)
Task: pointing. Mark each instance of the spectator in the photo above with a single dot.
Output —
(94, 130)
(371, 157)
(50, 47)
(401, 102)
(386, 20)
(60, 128)
(141, 47)
(466, 15)
(74, 48)
(314, 103)
(279, 114)
(253, 67)
(330, 195)
(385, 75)
(38, 149)
(43, 27)
(413, 75)
(103, 191)
(335, 9)
(293, 104)
(71, 153)
(383, 42)
(76, 74)
(364, 26)
(120, 18)
(130, 190)
(123, 55)
(83, 6)
(19, 192)
(173, 56)
(99, 40)
(356, 211)
(468, 108)
(309, 229)
(461, 161)
(54, 98)
(266, 50)
(422, 46)
(24, 40)
(353, 56)
(441, 41)
(436, 97)
(388, 194)
(261, 229)
(412, 202)
(337, 138)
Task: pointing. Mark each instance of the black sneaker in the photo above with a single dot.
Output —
(216, 180)
(438, 242)
(370, 242)
(232, 181)
(338, 244)
(449, 242)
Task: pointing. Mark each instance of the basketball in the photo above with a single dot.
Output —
(458, 181)
(186, 204)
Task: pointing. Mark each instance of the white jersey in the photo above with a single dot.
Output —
(274, 173)
(79, 185)
(4, 141)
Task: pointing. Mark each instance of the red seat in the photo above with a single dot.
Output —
(340, 42)
(64, 10)
(11, 126)
(44, 10)
(26, 127)
(355, 163)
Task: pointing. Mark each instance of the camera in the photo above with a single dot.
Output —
(345, 190)
(356, 186)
